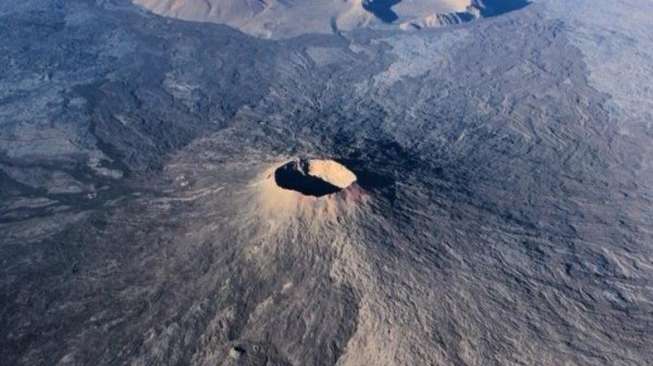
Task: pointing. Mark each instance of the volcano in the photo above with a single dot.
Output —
(326, 183)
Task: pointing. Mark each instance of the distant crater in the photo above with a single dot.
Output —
(314, 177)
(282, 19)
(475, 10)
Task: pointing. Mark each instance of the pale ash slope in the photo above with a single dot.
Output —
(283, 19)
(620, 66)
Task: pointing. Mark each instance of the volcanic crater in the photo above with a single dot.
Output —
(314, 177)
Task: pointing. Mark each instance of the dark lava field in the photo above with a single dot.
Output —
(479, 192)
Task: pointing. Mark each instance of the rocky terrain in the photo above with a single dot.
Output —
(484, 197)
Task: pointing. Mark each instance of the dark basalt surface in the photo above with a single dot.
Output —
(507, 216)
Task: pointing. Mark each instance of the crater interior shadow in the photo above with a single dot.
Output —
(382, 9)
(291, 177)
(492, 8)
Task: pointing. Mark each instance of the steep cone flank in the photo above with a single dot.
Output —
(332, 252)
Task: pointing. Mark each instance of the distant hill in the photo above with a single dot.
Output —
(288, 18)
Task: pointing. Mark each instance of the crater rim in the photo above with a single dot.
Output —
(316, 177)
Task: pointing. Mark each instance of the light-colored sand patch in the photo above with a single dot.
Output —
(415, 9)
(331, 172)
